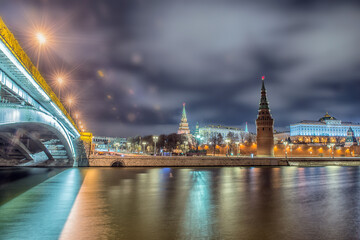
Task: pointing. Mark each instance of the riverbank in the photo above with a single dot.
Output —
(204, 161)
(215, 161)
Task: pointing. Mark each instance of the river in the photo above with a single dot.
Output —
(180, 203)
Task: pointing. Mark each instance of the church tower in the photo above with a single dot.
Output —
(264, 127)
(183, 126)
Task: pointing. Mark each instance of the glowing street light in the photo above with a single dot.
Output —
(238, 144)
(291, 145)
(60, 82)
(77, 116)
(227, 144)
(331, 146)
(70, 101)
(143, 143)
(285, 143)
(185, 144)
(42, 40)
(155, 139)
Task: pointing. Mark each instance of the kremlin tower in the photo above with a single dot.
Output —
(350, 139)
(183, 126)
(264, 127)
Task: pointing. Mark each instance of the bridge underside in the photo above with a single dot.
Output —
(32, 144)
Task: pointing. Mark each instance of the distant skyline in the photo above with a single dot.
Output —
(133, 63)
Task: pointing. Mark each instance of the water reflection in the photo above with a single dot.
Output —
(189, 203)
(89, 215)
(198, 221)
(41, 212)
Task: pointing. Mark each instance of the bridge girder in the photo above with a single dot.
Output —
(36, 139)
(16, 143)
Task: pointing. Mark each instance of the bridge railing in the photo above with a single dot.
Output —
(9, 39)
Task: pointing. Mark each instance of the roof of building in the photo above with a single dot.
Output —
(264, 104)
(326, 117)
(325, 120)
(308, 122)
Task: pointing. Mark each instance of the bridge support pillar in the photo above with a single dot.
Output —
(84, 148)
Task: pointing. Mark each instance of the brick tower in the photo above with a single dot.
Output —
(264, 127)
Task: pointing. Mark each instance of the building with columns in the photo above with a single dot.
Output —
(326, 129)
(264, 127)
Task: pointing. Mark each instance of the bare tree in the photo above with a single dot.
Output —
(243, 136)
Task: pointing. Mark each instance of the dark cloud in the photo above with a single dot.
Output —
(154, 55)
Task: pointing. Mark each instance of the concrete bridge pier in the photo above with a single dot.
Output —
(83, 150)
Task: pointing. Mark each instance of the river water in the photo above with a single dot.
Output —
(180, 203)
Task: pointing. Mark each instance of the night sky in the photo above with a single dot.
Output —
(133, 63)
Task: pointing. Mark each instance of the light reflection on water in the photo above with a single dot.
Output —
(41, 212)
(196, 221)
(189, 203)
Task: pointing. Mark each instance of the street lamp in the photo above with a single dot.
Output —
(41, 39)
(77, 116)
(143, 143)
(227, 146)
(155, 139)
(285, 143)
(331, 145)
(238, 146)
(291, 145)
(60, 81)
(210, 146)
(185, 143)
(70, 102)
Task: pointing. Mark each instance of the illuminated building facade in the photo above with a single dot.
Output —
(109, 143)
(326, 127)
(264, 126)
(183, 126)
(208, 132)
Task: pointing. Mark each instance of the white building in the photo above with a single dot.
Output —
(111, 144)
(208, 132)
(327, 126)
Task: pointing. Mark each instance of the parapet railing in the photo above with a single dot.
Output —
(13, 45)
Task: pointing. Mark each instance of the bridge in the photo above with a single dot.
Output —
(34, 125)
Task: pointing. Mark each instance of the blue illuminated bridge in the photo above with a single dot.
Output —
(35, 128)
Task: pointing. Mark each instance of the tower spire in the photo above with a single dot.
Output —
(263, 100)
(246, 127)
(183, 126)
(183, 112)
